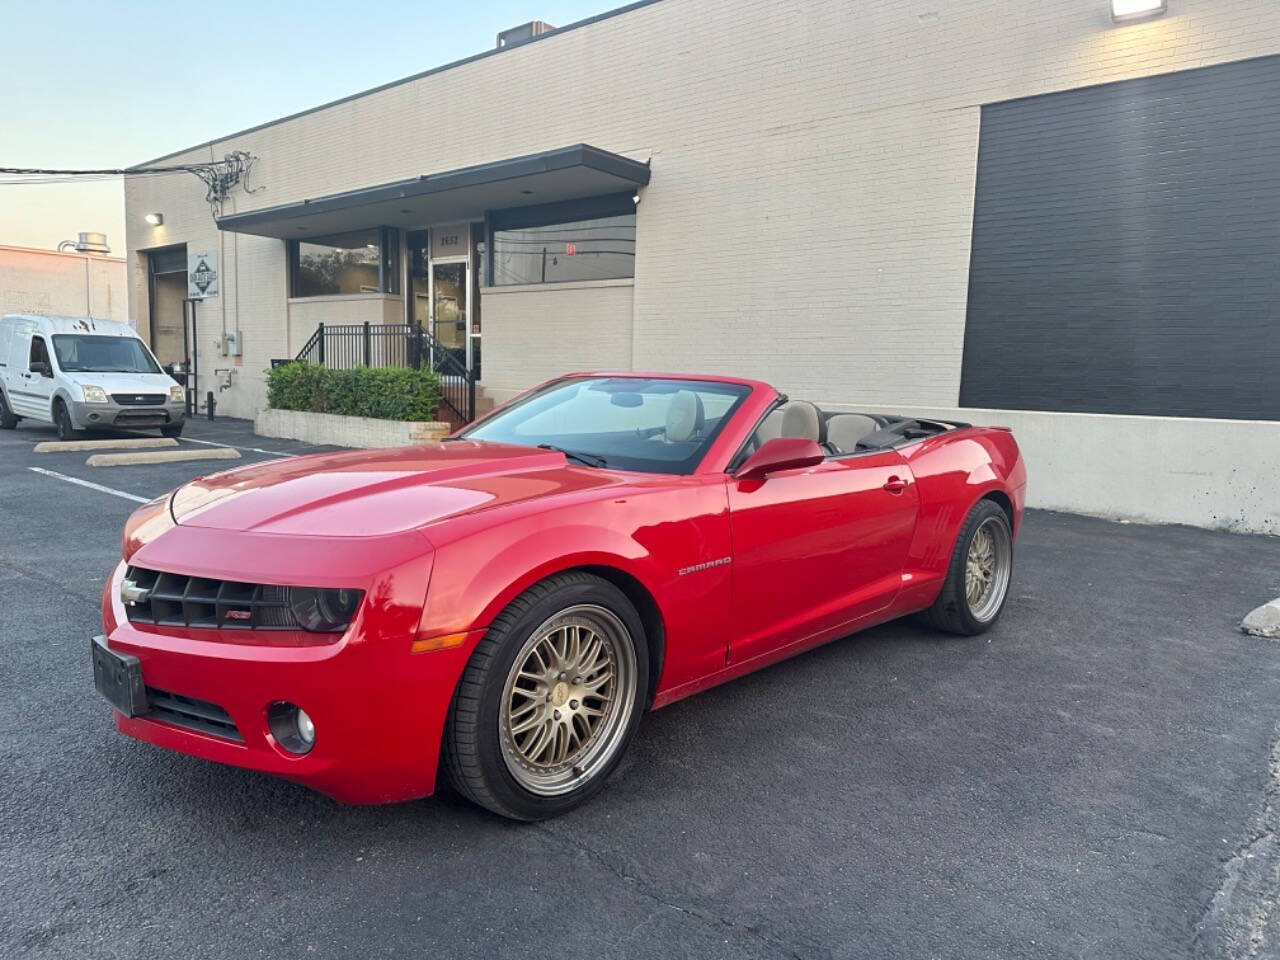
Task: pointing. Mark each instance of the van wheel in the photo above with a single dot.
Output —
(61, 416)
(172, 430)
(7, 419)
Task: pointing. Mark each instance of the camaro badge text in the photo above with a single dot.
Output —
(704, 566)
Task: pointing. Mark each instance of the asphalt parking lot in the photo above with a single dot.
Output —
(1099, 776)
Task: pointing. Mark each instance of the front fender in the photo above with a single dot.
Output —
(653, 537)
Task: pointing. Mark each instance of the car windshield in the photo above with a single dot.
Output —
(628, 423)
(78, 352)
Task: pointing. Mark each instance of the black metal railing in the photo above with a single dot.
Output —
(348, 345)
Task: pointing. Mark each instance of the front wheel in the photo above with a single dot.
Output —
(550, 700)
(62, 417)
(171, 430)
(977, 583)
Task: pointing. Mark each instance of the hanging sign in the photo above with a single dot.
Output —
(202, 275)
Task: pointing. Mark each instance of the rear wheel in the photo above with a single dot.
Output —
(550, 700)
(7, 418)
(62, 417)
(977, 583)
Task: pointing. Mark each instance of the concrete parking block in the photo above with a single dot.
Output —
(1264, 621)
(124, 443)
(160, 456)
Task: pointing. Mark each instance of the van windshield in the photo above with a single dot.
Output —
(77, 352)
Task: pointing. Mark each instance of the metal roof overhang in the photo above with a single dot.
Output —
(570, 173)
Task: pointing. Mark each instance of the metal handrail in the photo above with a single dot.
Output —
(343, 346)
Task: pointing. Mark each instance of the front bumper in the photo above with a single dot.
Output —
(379, 709)
(106, 416)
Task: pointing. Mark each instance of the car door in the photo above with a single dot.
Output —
(817, 548)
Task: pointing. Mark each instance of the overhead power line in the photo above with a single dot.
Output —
(218, 176)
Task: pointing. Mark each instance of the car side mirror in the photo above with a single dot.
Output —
(778, 454)
(42, 368)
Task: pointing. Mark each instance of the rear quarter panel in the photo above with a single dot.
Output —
(953, 472)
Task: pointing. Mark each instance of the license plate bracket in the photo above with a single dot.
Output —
(118, 677)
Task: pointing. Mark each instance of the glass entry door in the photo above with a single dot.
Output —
(444, 290)
(449, 295)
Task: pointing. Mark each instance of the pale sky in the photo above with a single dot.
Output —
(103, 83)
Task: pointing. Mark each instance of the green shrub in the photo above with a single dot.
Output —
(385, 393)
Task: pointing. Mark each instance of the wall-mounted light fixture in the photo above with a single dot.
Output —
(155, 219)
(1126, 11)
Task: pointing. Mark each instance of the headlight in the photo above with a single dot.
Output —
(323, 611)
(95, 395)
(176, 395)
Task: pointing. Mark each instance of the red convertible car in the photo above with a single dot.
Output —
(503, 607)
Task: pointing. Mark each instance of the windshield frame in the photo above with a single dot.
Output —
(741, 392)
(64, 337)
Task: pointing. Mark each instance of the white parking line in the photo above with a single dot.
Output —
(86, 483)
(210, 443)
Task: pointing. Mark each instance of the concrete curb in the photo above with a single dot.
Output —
(1264, 622)
(160, 456)
(132, 443)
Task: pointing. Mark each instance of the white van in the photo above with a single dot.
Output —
(81, 374)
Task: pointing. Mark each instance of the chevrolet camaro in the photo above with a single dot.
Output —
(501, 608)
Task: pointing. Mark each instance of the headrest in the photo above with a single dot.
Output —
(684, 417)
(802, 419)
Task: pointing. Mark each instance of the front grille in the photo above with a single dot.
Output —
(192, 714)
(176, 600)
(139, 399)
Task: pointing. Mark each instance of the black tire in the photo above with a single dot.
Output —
(62, 418)
(7, 418)
(951, 610)
(473, 751)
(171, 430)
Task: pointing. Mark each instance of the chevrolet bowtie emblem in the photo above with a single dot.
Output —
(131, 593)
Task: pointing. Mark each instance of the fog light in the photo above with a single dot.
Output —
(291, 727)
(306, 729)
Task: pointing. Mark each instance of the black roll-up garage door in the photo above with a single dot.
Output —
(1126, 248)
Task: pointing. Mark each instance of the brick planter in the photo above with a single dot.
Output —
(331, 429)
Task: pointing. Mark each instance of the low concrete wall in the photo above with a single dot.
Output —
(1220, 474)
(333, 430)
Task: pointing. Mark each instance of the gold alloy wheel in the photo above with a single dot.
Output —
(987, 568)
(568, 699)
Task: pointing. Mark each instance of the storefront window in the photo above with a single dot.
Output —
(363, 261)
(552, 245)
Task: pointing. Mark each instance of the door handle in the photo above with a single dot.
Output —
(895, 484)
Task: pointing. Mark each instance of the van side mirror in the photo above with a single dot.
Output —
(42, 368)
(778, 454)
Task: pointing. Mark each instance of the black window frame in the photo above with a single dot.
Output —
(389, 242)
(549, 214)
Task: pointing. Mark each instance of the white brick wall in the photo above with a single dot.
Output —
(809, 216)
(535, 333)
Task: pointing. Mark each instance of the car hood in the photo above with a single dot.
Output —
(376, 492)
(124, 382)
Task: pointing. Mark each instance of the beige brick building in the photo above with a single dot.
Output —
(827, 194)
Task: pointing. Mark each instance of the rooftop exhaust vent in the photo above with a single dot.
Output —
(92, 243)
(87, 243)
(523, 33)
